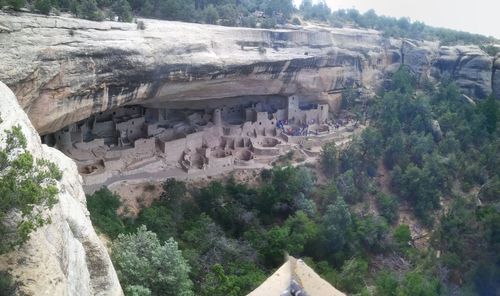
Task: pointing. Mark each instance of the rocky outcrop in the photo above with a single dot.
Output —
(63, 70)
(496, 76)
(65, 257)
(469, 66)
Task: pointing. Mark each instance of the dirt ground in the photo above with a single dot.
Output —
(135, 195)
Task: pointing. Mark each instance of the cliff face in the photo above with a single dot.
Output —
(63, 70)
(65, 257)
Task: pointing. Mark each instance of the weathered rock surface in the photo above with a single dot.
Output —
(496, 76)
(469, 66)
(65, 257)
(63, 70)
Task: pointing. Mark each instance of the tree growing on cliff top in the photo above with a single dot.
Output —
(88, 10)
(27, 189)
(16, 4)
(143, 263)
(43, 6)
(122, 10)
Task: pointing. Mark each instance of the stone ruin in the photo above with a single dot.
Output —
(218, 139)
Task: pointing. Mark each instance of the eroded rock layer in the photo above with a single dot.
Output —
(63, 70)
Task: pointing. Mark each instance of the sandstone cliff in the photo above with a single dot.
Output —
(63, 70)
(65, 257)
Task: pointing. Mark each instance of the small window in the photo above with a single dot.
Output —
(260, 123)
(132, 122)
(321, 107)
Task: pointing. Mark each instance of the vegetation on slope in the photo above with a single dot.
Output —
(348, 229)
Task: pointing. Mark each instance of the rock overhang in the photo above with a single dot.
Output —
(64, 70)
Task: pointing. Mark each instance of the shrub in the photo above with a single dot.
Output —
(329, 159)
(6, 284)
(353, 274)
(141, 25)
(142, 263)
(121, 8)
(102, 206)
(388, 207)
(88, 10)
(268, 23)
(386, 284)
(402, 235)
(210, 15)
(16, 4)
(27, 187)
(43, 6)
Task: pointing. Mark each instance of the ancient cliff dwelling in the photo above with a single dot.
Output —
(216, 139)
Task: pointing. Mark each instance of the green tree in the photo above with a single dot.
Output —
(318, 11)
(386, 284)
(402, 235)
(88, 10)
(121, 8)
(371, 144)
(7, 286)
(157, 218)
(387, 206)
(102, 206)
(329, 159)
(346, 184)
(141, 260)
(146, 9)
(27, 187)
(206, 244)
(43, 6)
(274, 245)
(491, 112)
(337, 223)
(273, 7)
(371, 232)
(218, 283)
(415, 284)
(16, 4)
(353, 274)
(182, 10)
(403, 81)
(137, 290)
(301, 230)
(419, 188)
(173, 196)
(210, 14)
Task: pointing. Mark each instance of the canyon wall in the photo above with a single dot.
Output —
(63, 70)
(65, 257)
